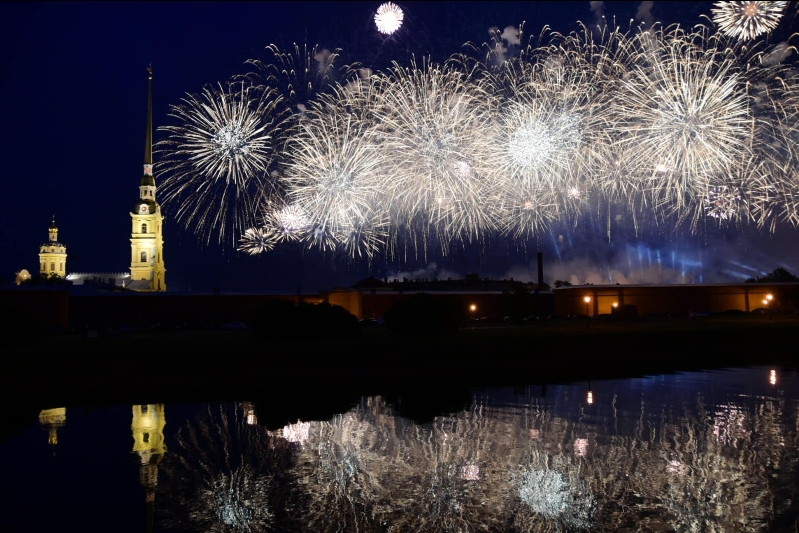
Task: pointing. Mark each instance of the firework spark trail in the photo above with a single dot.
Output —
(217, 158)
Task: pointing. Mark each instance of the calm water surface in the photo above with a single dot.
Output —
(706, 451)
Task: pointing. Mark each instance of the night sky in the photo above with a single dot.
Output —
(73, 100)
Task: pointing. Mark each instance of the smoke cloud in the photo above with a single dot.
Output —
(511, 35)
(780, 53)
(644, 13)
(429, 272)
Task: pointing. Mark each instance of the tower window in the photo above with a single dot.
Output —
(61, 267)
(144, 257)
(144, 228)
(143, 409)
(52, 266)
(146, 438)
(44, 266)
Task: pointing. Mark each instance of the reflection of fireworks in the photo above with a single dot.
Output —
(216, 157)
(388, 18)
(218, 477)
(747, 20)
(298, 432)
(547, 492)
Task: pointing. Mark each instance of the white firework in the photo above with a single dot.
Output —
(683, 118)
(257, 241)
(216, 160)
(431, 122)
(332, 176)
(287, 222)
(747, 20)
(388, 18)
(723, 203)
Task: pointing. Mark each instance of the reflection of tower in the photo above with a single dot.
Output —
(147, 271)
(53, 255)
(52, 419)
(148, 442)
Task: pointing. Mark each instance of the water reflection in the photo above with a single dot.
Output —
(147, 428)
(51, 420)
(525, 464)
(219, 476)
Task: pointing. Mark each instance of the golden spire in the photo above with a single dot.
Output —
(148, 140)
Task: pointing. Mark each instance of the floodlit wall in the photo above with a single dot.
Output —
(670, 299)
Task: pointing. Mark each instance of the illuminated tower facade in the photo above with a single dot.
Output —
(147, 271)
(148, 443)
(53, 255)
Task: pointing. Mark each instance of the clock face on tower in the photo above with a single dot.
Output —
(143, 209)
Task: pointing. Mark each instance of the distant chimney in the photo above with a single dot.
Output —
(540, 271)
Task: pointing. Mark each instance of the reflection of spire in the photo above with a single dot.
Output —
(148, 442)
(53, 419)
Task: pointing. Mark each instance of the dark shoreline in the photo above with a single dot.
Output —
(423, 376)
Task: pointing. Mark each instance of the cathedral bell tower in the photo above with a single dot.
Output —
(53, 255)
(147, 271)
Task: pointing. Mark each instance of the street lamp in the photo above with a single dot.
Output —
(587, 300)
(473, 308)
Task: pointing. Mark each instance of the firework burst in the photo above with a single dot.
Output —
(217, 157)
(332, 175)
(684, 118)
(431, 122)
(388, 18)
(747, 20)
(257, 241)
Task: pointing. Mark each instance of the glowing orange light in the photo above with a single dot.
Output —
(472, 307)
(769, 297)
(615, 304)
(587, 299)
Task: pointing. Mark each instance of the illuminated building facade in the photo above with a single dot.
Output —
(147, 271)
(53, 255)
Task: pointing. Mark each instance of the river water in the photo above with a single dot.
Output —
(712, 451)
